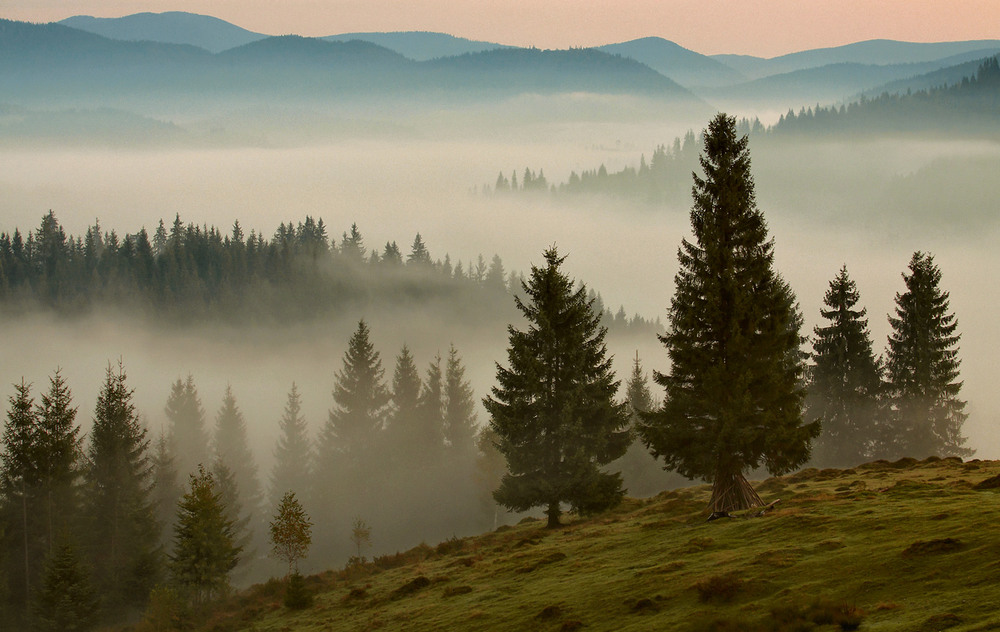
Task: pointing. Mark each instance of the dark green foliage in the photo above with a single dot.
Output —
(845, 380)
(297, 594)
(734, 394)
(192, 272)
(926, 414)
(66, 601)
(19, 481)
(57, 459)
(553, 411)
(293, 454)
(205, 549)
(121, 532)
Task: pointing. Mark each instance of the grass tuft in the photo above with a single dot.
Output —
(720, 588)
(417, 583)
(931, 547)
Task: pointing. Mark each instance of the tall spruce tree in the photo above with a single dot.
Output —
(459, 412)
(19, 490)
(922, 363)
(361, 399)
(232, 449)
(205, 551)
(293, 453)
(553, 410)
(402, 422)
(429, 433)
(188, 439)
(845, 380)
(734, 392)
(118, 508)
(166, 491)
(58, 456)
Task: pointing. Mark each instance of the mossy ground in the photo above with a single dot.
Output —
(890, 546)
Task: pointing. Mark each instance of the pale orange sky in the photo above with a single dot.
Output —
(765, 28)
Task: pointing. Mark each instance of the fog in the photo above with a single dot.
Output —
(867, 204)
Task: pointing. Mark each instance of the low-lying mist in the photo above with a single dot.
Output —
(867, 205)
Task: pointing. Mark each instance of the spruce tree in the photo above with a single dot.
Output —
(232, 449)
(57, 459)
(118, 508)
(19, 489)
(845, 380)
(66, 602)
(166, 490)
(922, 363)
(429, 437)
(188, 439)
(234, 512)
(402, 422)
(205, 551)
(734, 394)
(553, 411)
(361, 398)
(459, 411)
(293, 453)
(642, 475)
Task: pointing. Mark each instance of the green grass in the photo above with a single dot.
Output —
(892, 546)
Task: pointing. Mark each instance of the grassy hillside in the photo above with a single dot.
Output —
(887, 546)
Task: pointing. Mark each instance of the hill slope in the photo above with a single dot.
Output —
(895, 546)
(684, 66)
(420, 45)
(171, 27)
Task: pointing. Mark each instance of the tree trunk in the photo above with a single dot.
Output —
(732, 492)
(553, 513)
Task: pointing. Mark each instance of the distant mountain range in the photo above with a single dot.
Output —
(837, 73)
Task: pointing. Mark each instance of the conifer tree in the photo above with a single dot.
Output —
(118, 507)
(360, 397)
(58, 459)
(922, 363)
(293, 454)
(166, 490)
(205, 551)
(233, 510)
(429, 439)
(642, 475)
(845, 380)
(188, 439)
(403, 422)
(19, 487)
(553, 411)
(459, 410)
(67, 601)
(419, 255)
(733, 395)
(232, 449)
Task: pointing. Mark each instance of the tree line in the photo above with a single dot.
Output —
(189, 273)
(968, 106)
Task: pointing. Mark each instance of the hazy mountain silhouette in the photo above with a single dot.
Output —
(686, 67)
(871, 52)
(172, 27)
(420, 45)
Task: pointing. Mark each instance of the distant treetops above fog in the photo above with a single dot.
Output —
(188, 272)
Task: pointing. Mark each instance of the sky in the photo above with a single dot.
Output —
(764, 28)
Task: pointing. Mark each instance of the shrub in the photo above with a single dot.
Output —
(720, 587)
(297, 595)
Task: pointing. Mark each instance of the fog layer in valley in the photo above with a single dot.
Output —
(868, 205)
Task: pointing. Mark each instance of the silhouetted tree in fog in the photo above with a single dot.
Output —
(186, 435)
(553, 410)
(293, 453)
(121, 530)
(926, 415)
(845, 380)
